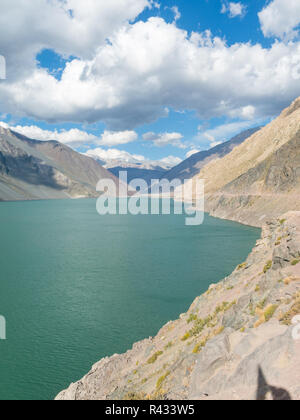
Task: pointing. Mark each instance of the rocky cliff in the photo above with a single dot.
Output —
(235, 342)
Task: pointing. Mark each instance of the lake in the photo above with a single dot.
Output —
(76, 286)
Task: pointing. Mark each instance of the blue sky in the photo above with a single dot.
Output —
(171, 119)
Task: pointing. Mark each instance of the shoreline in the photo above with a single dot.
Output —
(165, 367)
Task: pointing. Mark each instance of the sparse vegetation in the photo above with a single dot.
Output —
(162, 379)
(262, 304)
(269, 312)
(199, 325)
(219, 330)
(286, 319)
(153, 358)
(266, 315)
(197, 349)
(295, 262)
(192, 317)
(200, 346)
(268, 266)
(186, 336)
(282, 221)
(134, 396)
(242, 266)
(210, 321)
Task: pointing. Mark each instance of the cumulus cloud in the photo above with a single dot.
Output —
(75, 137)
(110, 138)
(70, 27)
(234, 9)
(280, 19)
(165, 139)
(116, 82)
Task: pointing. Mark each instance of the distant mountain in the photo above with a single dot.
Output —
(146, 170)
(31, 169)
(261, 177)
(193, 165)
(139, 173)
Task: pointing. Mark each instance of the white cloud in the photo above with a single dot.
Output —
(119, 85)
(170, 161)
(176, 12)
(234, 9)
(114, 154)
(114, 157)
(70, 27)
(224, 132)
(165, 139)
(280, 18)
(75, 137)
(191, 153)
(110, 138)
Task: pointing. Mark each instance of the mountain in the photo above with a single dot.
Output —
(261, 177)
(139, 172)
(146, 170)
(236, 342)
(31, 170)
(193, 165)
(239, 340)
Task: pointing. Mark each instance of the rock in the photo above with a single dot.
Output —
(218, 354)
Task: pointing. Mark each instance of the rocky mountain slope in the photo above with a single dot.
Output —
(193, 165)
(235, 342)
(259, 178)
(32, 170)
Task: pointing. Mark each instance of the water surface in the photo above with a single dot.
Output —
(75, 287)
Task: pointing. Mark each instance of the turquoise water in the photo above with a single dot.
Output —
(75, 287)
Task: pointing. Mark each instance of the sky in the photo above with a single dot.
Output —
(146, 80)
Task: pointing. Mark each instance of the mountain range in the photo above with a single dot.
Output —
(254, 175)
(32, 170)
(261, 177)
(193, 165)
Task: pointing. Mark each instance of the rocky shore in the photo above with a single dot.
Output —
(237, 341)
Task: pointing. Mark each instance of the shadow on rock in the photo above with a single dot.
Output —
(264, 390)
